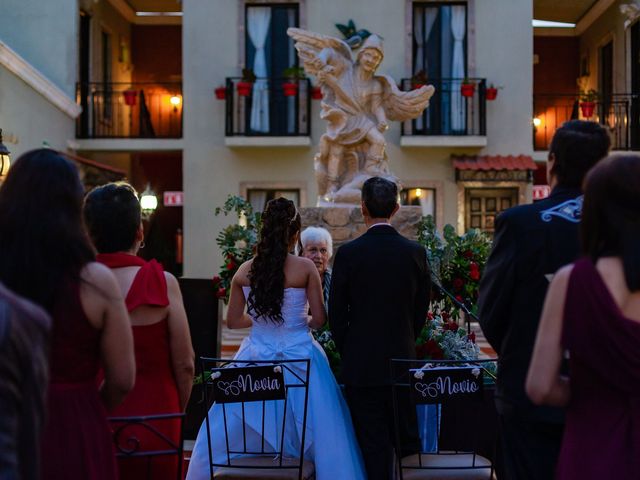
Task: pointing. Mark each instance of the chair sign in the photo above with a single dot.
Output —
(248, 384)
(438, 385)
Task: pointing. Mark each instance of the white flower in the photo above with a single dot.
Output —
(277, 369)
(475, 372)
(215, 375)
(419, 374)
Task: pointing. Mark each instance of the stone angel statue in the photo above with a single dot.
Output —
(357, 105)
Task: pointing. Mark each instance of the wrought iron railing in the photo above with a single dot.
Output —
(455, 109)
(129, 110)
(268, 107)
(620, 113)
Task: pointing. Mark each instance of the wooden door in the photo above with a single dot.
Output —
(482, 206)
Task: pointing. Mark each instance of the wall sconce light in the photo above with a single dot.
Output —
(537, 122)
(175, 101)
(418, 192)
(5, 158)
(148, 202)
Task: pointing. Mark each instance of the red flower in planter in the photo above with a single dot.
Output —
(459, 298)
(474, 271)
(467, 254)
(221, 293)
(231, 265)
(216, 280)
(472, 337)
(433, 350)
(453, 326)
(458, 283)
(430, 316)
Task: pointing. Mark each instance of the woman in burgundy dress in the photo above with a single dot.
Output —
(163, 351)
(47, 258)
(593, 311)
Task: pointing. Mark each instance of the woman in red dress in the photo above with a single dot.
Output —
(47, 258)
(163, 351)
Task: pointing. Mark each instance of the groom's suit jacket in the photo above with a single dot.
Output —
(379, 299)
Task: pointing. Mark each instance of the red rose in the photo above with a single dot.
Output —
(472, 337)
(445, 315)
(221, 293)
(458, 283)
(231, 265)
(473, 266)
(459, 298)
(433, 350)
(430, 316)
(467, 254)
(216, 280)
(453, 326)
(474, 274)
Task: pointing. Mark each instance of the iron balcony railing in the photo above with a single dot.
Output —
(455, 109)
(268, 107)
(620, 113)
(129, 110)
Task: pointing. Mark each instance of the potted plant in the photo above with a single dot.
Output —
(292, 75)
(491, 92)
(316, 93)
(130, 97)
(221, 92)
(418, 80)
(588, 102)
(467, 88)
(246, 83)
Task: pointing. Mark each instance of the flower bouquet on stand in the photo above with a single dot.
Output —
(237, 242)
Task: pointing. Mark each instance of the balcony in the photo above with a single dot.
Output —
(620, 113)
(456, 117)
(268, 112)
(129, 111)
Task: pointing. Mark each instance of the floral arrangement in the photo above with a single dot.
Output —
(237, 241)
(457, 262)
(442, 338)
(325, 339)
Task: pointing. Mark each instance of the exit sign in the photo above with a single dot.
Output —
(173, 199)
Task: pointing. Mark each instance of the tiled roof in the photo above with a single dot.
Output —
(493, 162)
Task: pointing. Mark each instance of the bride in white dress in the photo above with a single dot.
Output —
(279, 289)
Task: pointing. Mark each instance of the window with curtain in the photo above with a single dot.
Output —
(440, 51)
(268, 52)
(421, 197)
(258, 197)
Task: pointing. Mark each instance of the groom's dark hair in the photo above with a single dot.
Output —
(380, 196)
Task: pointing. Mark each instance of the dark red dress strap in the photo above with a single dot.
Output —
(149, 287)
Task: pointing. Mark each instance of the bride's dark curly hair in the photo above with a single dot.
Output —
(280, 224)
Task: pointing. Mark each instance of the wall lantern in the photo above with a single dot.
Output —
(175, 101)
(5, 159)
(148, 202)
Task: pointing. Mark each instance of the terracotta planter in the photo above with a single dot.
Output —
(491, 93)
(316, 93)
(221, 93)
(587, 109)
(130, 97)
(290, 89)
(244, 88)
(467, 89)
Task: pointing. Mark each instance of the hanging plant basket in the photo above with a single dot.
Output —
(491, 93)
(244, 88)
(290, 89)
(316, 93)
(467, 89)
(130, 97)
(587, 109)
(221, 93)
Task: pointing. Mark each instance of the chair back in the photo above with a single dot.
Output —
(260, 410)
(451, 397)
(148, 446)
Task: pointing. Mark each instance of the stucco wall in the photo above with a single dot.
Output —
(503, 53)
(28, 119)
(45, 34)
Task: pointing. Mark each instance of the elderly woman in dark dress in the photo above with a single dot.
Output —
(317, 246)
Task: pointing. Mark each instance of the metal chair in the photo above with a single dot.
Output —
(144, 444)
(457, 390)
(252, 429)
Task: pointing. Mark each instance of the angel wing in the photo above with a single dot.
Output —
(310, 44)
(400, 106)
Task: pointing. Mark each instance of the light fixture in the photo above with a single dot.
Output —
(418, 192)
(5, 158)
(175, 101)
(537, 122)
(148, 202)
(551, 24)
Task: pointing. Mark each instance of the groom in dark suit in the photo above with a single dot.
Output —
(378, 304)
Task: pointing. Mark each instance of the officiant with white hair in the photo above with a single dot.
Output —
(317, 245)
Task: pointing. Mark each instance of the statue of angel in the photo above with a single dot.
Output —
(357, 105)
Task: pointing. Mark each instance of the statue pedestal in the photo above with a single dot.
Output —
(346, 223)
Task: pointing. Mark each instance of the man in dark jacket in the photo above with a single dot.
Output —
(24, 372)
(379, 300)
(531, 243)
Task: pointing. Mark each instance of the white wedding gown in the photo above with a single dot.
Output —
(330, 440)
